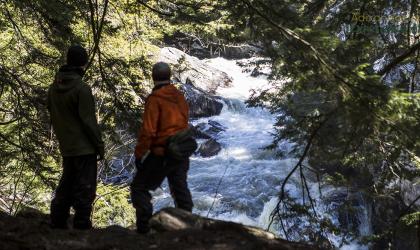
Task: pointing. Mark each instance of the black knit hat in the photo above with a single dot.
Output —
(77, 56)
(161, 72)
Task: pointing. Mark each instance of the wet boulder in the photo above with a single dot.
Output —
(198, 134)
(209, 148)
(214, 128)
(211, 128)
(201, 103)
(217, 126)
(202, 126)
(258, 72)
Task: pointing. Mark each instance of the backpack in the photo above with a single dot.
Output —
(181, 145)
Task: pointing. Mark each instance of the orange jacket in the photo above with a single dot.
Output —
(165, 114)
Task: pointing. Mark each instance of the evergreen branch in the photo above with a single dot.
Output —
(399, 59)
(12, 21)
(409, 206)
(11, 143)
(159, 12)
(190, 17)
(9, 122)
(315, 53)
(99, 196)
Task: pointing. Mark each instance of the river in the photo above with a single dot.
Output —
(242, 182)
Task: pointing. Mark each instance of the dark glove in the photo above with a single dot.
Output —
(101, 153)
(138, 163)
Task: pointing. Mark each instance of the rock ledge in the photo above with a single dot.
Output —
(173, 229)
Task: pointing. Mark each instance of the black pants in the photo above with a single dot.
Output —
(77, 189)
(150, 176)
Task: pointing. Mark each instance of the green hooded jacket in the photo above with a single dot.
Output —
(72, 111)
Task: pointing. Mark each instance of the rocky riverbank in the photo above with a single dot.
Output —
(172, 229)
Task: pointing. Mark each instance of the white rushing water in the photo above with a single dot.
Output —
(249, 176)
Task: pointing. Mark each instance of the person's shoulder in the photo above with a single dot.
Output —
(84, 88)
(152, 98)
(180, 94)
(176, 89)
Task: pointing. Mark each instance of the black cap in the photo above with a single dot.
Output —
(77, 56)
(161, 72)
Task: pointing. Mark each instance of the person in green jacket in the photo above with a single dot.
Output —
(72, 111)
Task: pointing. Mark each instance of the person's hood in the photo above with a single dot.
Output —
(67, 78)
(168, 92)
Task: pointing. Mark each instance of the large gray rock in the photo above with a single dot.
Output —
(217, 126)
(209, 148)
(201, 75)
(197, 133)
(211, 128)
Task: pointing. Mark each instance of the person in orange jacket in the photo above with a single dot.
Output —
(165, 114)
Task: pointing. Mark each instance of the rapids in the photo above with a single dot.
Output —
(242, 182)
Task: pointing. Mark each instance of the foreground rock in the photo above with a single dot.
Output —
(175, 230)
(172, 219)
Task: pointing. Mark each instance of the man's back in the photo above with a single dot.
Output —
(173, 110)
(166, 113)
(72, 111)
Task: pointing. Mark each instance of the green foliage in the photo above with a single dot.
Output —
(123, 38)
(411, 219)
(112, 207)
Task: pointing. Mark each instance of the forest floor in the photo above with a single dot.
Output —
(30, 230)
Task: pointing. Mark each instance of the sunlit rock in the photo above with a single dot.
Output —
(201, 75)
